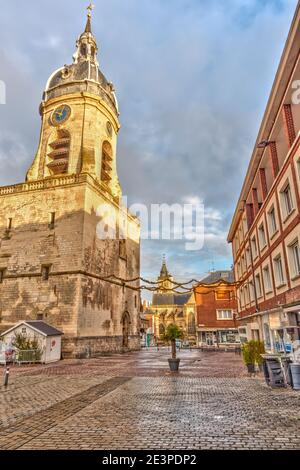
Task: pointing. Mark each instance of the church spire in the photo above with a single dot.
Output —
(88, 28)
(164, 270)
(86, 44)
(165, 279)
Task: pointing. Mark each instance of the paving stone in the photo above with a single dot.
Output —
(124, 402)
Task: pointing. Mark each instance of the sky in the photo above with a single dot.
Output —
(192, 79)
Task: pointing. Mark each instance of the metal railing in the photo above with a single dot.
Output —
(27, 357)
(20, 357)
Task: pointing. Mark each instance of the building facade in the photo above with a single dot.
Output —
(265, 230)
(216, 305)
(64, 231)
(170, 308)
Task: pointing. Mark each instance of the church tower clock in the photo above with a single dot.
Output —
(55, 263)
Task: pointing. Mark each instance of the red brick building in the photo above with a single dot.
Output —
(216, 310)
(265, 230)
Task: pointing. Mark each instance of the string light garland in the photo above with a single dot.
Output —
(157, 286)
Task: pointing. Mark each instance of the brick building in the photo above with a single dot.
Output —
(216, 310)
(59, 231)
(265, 230)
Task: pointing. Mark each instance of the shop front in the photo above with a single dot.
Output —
(218, 337)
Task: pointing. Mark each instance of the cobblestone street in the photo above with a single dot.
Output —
(132, 401)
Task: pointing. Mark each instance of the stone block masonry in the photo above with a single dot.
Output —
(70, 295)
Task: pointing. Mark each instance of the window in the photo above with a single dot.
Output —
(262, 236)
(267, 279)
(239, 269)
(245, 228)
(223, 295)
(272, 222)
(52, 220)
(278, 271)
(295, 258)
(191, 324)
(40, 316)
(2, 273)
(248, 257)
(251, 289)
(107, 157)
(122, 249)
(46, 272)
(224, 314)
(241, 297)
(243, 264)
(287, 200)
(59, 150)
(254, 247)
(258, 285)
(246, 294)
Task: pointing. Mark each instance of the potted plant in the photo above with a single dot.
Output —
(172, 334)
(259, 350)
(248, 353)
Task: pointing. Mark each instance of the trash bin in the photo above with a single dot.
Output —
(273, 371)
(295, 373)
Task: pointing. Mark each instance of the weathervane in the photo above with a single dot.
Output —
(90, 8)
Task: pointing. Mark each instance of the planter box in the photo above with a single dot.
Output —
(174, 364)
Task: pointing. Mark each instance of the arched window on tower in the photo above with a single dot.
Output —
(106, 168)
(59, 153)
(83, 50)
(162, 330)
(191, 324)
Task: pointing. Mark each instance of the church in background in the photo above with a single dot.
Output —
(171, 308)
(59, 230)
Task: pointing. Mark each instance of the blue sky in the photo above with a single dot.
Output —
(192, 80)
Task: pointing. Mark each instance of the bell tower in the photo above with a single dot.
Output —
(165, 279)
(80, 120)
(56, 264)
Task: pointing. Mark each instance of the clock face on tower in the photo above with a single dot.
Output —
(60, 114)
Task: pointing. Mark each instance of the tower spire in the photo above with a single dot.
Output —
(164, 270)
(88, 28)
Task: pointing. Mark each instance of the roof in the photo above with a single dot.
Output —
(38, 325)
(170, 299)
(283, 76)
(217, 276)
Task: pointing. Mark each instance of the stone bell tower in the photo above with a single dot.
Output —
(54, 260)
(80, 120)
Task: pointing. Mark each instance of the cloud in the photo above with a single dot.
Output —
(192, 80)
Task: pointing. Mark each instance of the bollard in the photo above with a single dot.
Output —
(6, 376)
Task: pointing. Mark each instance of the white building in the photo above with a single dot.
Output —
(49, 338)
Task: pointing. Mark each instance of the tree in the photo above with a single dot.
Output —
(172, 333)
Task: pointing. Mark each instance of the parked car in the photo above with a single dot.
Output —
(186, 345)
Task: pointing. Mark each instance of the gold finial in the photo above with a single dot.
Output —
(90, 8)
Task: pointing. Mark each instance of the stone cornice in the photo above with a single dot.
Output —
(61, 182)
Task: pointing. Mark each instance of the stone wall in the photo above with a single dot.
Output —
(85, 347)
(75, 298)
